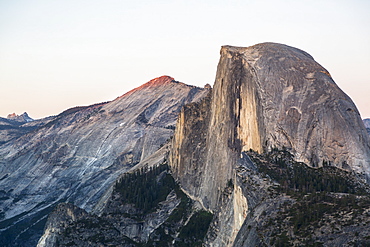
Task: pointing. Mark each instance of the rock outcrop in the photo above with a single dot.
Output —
(77, 155)
(160, 215)
(288, 100)
(23, 118)
(61, 217)
(268, 96)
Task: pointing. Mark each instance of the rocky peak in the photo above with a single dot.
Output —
(160, 80)
(23, 118)
(86, 149)
(12, 115)
(156, 82)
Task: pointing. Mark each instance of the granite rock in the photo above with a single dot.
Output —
(265, 97)
(77, 155)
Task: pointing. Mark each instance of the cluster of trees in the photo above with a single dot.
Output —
(298, 177)
(311, 209)
(146, 187)
(193, 233)
(315, 192)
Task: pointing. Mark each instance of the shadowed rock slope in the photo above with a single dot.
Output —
(145, 208)
(77, 155)
(268, 96)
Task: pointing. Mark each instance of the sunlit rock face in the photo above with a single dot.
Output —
(77, 155)
(296, 104)
(265, 96)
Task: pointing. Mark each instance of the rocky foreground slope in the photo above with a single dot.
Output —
(75, 156)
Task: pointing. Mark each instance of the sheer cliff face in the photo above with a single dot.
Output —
(265, 96)
(272, 95)
(77, 155)
(299, 107)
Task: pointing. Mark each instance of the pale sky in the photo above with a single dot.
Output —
(59, 54)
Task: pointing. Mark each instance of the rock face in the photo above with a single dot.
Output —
(77, 155)
(287, 99)
(367, 125)
(367, 122)
(62, 216)
(161, 215)
(265, 97)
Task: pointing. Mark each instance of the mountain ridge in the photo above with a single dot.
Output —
(79, 153)
(156, 82)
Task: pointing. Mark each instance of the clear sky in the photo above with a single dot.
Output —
(58, 54)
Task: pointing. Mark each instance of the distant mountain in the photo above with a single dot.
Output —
(15, 126)
(23, 118)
